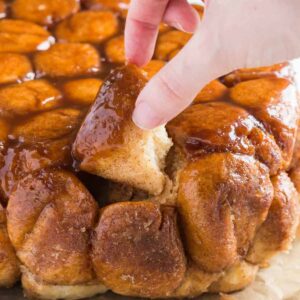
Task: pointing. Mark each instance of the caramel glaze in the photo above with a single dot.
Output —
(236, 139)
(221, 127)
(256, 117)
(39, 153)
(112, 110)
(61, 258)
(19, 157)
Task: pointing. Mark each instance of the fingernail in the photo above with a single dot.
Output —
(180, 27)
(145, 117)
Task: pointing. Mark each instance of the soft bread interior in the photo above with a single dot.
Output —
(110, 145)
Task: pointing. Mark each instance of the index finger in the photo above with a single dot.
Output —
(141, 29)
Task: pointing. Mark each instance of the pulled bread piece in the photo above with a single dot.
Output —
(51, 215)
(9, 265)
(110, 145)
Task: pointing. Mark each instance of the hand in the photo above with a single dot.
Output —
(233, 34)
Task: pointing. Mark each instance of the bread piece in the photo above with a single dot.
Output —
(44, 140)
(2, 9)
(82, 91)
(222, 127)
(236, 278)
(282, 70)
(23, 36)
(28, 97)
(115, 53)
(108, 143)
(119, 6)
(52, 10)
(49, 125)
(213, 91)
(4, 131)
(222, 200)
(279, 229)
(153, 67)
(274, 102)
(14, 67)
(115, 50)
(68, 60)
(88, 26)
(25, 159)
(169, 42)
(136, 249)
(52, 242)
(9, 265)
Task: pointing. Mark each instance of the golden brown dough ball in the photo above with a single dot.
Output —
(169, 42)
(136, 249)
(115, 53)
(219, 222)
(9, 266)
(163, 28)
(197, 131)
(173, 54)
(115, 50)
(68, 60)
(152, 68)
(199, 9)
(88, 26)
(279, 229)
(119, 6)
(23, 36)
(27, 158)
(28, 97)
(44, 12)
(213, 91)
(57, 228)
(2, 9)
(82, 91)
(278, 70)
(274, 102)
(48, 125)
(4, 131)
(295, 176)
(14, 67)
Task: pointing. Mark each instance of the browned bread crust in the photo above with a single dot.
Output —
(227, 180)
(110, 145)
(196, 206)
(9, 265)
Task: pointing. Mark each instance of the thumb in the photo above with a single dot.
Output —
(173, 88)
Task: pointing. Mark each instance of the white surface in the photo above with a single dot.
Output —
(281, 281)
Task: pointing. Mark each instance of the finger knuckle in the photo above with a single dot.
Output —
(172, 89)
